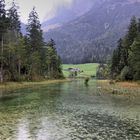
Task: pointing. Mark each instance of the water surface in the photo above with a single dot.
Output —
(68, 111)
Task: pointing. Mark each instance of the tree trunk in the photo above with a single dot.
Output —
(1, 68)
(19, 68)
(49, 70)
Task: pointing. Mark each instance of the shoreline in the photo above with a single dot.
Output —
(117, 88)
(120, 88)
(8, 86)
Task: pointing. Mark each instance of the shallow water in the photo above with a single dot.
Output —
(68, 111)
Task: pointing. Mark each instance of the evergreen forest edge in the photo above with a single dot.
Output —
(124, 64)
(29, 58)
(25, 58)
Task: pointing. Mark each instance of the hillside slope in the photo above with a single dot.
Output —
(92, 36)
(65, 14)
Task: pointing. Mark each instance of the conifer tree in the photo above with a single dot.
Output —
(23, 58)
(125, 62)
(15, 43)
(132, 31)
(13, 16)
(129, 38)
(2, 18)
(34, 31)
(53, 61)
(139, 26)
(134, 58)
(3, 27)
(35, 44)
(116, 60)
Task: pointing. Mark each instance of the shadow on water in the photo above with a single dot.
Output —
(68, 111)
(7, 98)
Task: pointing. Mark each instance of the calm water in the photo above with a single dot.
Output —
(68, 111)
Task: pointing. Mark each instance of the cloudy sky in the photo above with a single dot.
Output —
(45, 8)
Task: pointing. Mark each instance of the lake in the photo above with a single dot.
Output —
(68, 111)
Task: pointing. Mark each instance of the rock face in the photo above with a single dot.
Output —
(92, 36)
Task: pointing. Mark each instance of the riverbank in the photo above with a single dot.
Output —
(105, 86)
(19, 85)
(120, 88)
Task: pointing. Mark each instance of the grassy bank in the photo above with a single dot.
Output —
(120, 88)
(18, 85)
(88, 69)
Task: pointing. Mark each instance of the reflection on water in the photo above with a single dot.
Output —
(68, 111)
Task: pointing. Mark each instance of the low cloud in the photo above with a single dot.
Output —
(45, 8)
(54, 5)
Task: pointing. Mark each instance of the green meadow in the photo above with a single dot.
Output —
(88, 69)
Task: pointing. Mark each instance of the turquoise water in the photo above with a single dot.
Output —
(68, 111)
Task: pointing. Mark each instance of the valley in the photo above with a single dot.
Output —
(70, 71)
(93, 36)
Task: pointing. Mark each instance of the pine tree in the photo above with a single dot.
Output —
(129, 38)
(139, 26)
(53, 61)
(116, 64)
(126, 58)
(4, 22)
(3, 28)
(134, 58)
(34, 31)
(35, 44)
(2, 18)
(13, 16)
(132, 32)
(123, 56)
(14, 42)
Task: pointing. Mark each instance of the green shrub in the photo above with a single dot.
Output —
(102, 72)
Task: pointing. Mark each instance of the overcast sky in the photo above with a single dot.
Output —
(45, 8)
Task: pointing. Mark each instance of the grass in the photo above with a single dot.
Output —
(88, 69)
(8, 86)
(120, 88)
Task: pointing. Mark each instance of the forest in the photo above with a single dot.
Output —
(93, 35)
(124, 65)
(25, 57)
(29, 58)
(125, 62)
(78, 81)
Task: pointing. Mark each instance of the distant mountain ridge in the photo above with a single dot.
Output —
(92, 36)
